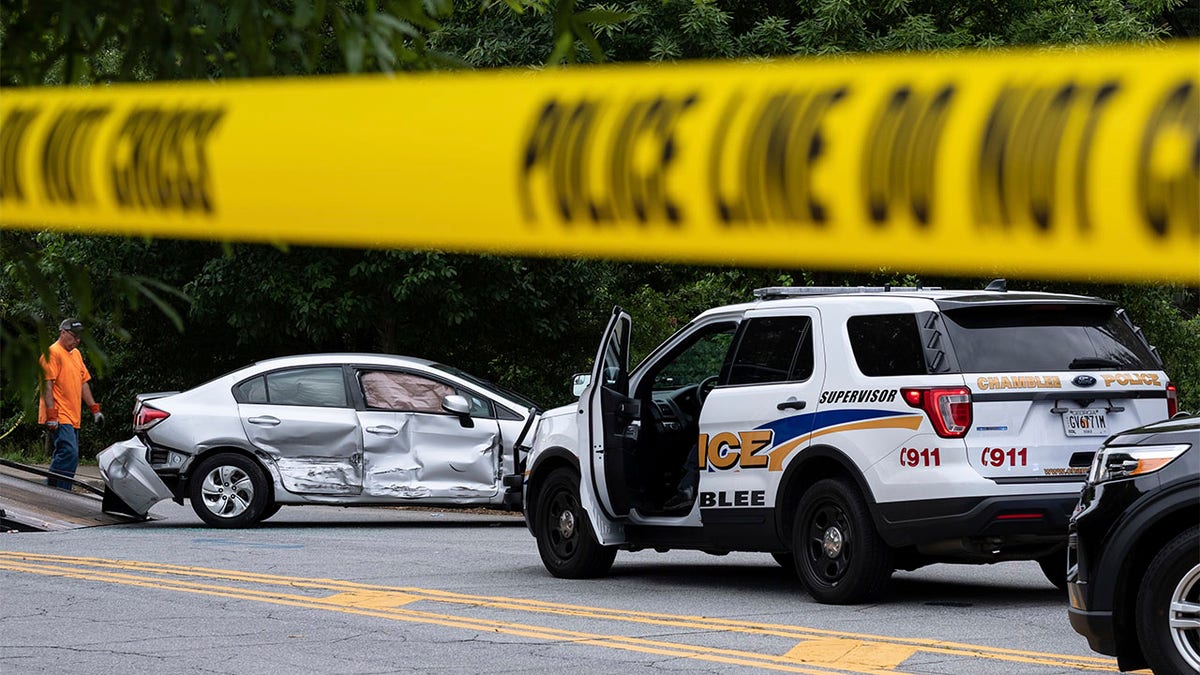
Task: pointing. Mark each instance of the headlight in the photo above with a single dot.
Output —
(1114, 463)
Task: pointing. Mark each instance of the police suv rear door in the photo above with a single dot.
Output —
(1051, 377)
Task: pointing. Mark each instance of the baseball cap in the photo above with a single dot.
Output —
(73, 325)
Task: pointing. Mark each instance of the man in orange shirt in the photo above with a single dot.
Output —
(60, 406)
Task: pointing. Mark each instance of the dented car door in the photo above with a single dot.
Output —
(414, 449)
(303, 420)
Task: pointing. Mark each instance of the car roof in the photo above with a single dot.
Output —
(1183, 427)
(342, 357)
(1182, 421)
(944, 299)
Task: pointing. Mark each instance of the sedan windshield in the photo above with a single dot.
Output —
(482, 383)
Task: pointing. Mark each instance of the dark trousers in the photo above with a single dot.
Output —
(65, 457)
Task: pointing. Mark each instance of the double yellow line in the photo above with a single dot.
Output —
(818, 652)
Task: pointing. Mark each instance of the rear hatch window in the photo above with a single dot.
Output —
(1049, 382)
(1019, 338)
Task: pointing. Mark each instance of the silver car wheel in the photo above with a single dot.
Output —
(227, 491)
(1184, 617)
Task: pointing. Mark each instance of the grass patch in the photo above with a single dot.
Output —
(25, 453)
(23, 442)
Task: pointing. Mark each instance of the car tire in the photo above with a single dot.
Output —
(229, 490)
(270, 511)
(1170, 590)
(565, 540)
(1054, 566)
(840, 557)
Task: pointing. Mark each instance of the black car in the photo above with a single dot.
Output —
(1134, 552)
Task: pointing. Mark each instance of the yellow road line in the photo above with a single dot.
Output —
(372, 599)
(338, 603)
(851, 653)
(671, 620)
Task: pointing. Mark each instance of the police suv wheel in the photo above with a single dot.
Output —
(839, 555)
(229, 490)
(565, 539)
(1168, 607)
(568, 545)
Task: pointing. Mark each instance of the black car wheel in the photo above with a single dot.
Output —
(229, 490)
(565, 539)
(839, 556)
(1168, 607)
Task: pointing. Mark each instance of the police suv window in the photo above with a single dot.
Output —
(1016, 338)
(615, 360)
(774, 349)
(700, 357)
(886, 344)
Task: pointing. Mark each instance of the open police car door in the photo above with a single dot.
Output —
(610, 433)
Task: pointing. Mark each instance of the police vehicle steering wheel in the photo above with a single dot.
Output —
(705, 387)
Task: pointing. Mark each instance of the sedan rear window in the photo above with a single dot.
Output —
(320, 387)
(1011, 338)
(252, 390)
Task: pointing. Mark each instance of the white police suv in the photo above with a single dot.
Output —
(847, 431)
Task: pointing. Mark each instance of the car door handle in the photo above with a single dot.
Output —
(265, 420)
(792, 405)
(383, 431)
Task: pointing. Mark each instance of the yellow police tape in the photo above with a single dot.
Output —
(1080, 164)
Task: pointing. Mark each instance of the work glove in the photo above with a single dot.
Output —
(52, 418)
(97, 416)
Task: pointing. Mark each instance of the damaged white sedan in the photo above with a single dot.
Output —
(334, 429)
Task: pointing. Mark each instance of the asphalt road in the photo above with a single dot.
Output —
(371, 590)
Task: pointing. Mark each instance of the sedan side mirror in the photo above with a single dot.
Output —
(458, 404)
(579, 382)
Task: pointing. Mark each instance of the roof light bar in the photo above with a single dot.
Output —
(777, 292)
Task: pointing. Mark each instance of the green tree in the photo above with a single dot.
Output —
(109, 282)
(106, 41)
(139, 40)
(527, 323)
(470, 311)
(668, 30)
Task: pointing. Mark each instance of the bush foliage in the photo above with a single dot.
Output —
(167, 314)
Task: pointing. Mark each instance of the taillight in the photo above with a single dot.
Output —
(1172, 400)
(1021, 515)
(145, 417)
(948, 409)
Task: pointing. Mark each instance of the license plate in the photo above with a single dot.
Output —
(1085, 422)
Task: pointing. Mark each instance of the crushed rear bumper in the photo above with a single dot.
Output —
(131, 486)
